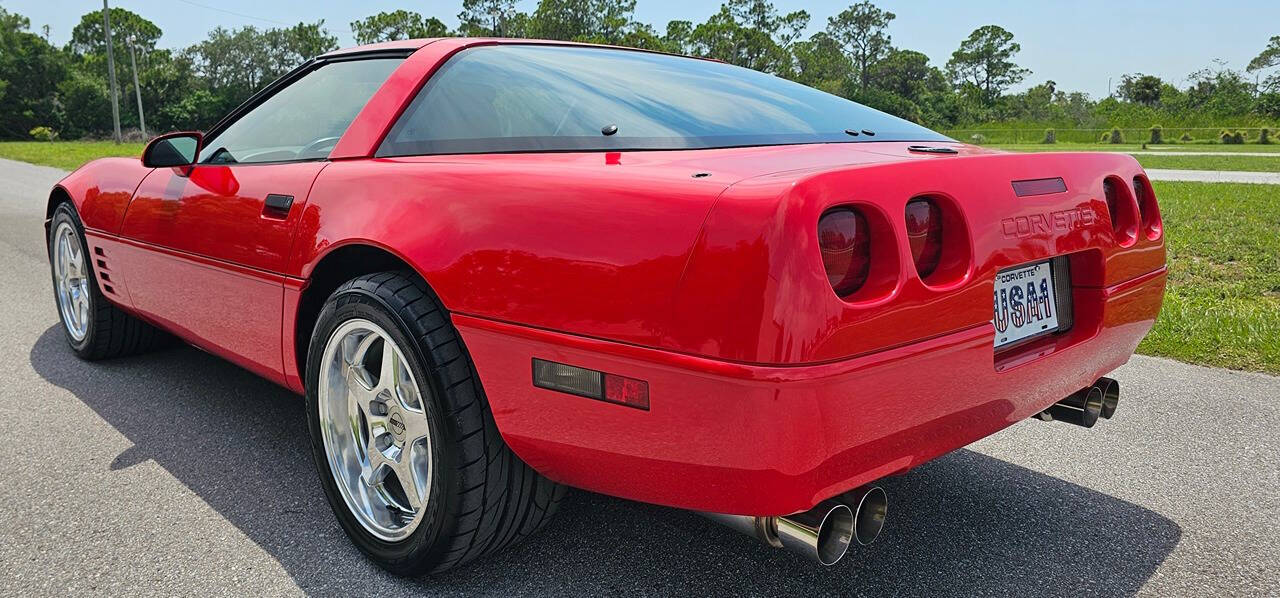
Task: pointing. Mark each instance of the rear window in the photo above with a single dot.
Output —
(522, 98)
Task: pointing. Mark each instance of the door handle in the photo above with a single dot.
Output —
(277, 206)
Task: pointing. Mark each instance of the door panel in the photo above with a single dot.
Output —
(220, 211)
(206, 254)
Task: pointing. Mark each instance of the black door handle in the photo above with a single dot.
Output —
(277, 206)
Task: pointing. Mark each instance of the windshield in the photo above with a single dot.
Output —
(555, 98)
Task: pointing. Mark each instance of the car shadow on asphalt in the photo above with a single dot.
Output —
(965, 524)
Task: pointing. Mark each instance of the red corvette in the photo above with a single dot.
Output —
(497, 268)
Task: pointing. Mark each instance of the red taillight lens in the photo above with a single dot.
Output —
(1109, 192)
(845, 241)
(924, 234)
(1148, 210)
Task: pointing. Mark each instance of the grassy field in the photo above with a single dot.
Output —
(1222, 307)
(67, 155)
(1133, 147)
(1224, 162)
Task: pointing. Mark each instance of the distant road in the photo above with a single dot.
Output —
(1215, 176)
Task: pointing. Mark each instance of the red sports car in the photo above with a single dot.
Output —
(497, 268)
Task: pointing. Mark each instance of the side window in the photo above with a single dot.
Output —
(304, 120)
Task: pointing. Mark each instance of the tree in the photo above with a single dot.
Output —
(1269, 57)
(751, 34)
(88, 39)
(678, 37)
(1220, 91)
(234, 64)
(860, 29)
(491, 18)
(984, 60)
(1141, 89)
(396, 25)
(30, 70)
(600, 21)
(822, 64)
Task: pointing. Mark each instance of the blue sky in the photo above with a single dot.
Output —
(1078, 44)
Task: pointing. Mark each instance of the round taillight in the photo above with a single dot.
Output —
(924, 234)
(845, 241)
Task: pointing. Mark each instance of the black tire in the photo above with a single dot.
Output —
(482, 498)
(110, 332)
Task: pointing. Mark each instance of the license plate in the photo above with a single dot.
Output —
(1026, 303)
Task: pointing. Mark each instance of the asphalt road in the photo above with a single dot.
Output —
(178, 474)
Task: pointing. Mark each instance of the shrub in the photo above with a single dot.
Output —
(1227, 137)
(1264, 136)
(1050, 136)
(43, 134)
(1106, 137)
(1157, 135)
(1186, 137)
(1117, 136)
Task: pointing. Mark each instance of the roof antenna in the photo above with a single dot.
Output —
(609, 130)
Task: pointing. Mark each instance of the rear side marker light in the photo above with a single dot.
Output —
(591, 384)
(845, 241)
(924, 234)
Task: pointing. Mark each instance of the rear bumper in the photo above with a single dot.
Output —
(769, 440)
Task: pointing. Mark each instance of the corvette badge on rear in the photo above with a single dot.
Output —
(1025, 304)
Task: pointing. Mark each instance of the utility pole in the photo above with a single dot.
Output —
(111, 71)
(142, 122)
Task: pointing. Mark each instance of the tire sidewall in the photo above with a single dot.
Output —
(66, 214)
(399, 556)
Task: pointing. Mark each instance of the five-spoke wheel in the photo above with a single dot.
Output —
(374, 424)
(71, 280)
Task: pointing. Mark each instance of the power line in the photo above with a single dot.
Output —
(238, 14)
(246, 16)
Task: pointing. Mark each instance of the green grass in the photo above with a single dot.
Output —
(1225, 162)
(1222, 307)
(1133, 147)
(67, 155)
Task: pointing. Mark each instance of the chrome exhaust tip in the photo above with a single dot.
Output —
(821, 534)
(870, 505)
(1110, 396)
(1081, 408)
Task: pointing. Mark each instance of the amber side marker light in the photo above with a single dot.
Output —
(591, 384)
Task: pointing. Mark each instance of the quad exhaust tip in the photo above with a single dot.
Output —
(822, 534)
(1085, 406)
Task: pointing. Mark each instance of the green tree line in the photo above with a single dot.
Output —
(64, 91)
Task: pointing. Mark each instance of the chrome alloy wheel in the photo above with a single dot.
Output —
(374, 424)
(71, 277)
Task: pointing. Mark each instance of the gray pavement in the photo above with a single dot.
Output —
(177, 473)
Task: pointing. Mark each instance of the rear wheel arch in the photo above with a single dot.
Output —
(336, 267)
